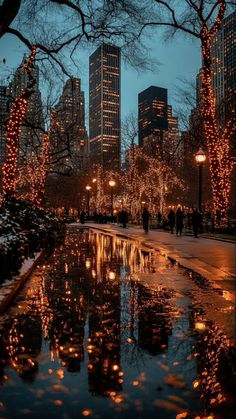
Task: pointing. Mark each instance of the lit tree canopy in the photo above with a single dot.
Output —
(201, 19)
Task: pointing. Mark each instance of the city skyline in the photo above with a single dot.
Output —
(174, 59)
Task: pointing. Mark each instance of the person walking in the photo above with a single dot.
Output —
(82, 217)
(124, 218)
(196, 222)
(171, 219)
(179, 221)
(145, 217)
(159, 219)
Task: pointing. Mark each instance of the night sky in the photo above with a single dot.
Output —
(179, 58)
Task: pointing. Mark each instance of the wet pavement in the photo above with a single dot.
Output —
(214, 260)
(109, 328)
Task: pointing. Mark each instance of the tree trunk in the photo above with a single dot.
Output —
(217, 140)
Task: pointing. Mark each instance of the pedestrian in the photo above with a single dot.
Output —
(100, 219)
(124, 218)
(171, 219)
(196, 222)
(82, 217)
(179, 221)
(145, 217)
(159, 219)
(104, 217)
(95, 216)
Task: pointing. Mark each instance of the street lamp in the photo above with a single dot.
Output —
(200, 158)
(112, 184)
(88, 197)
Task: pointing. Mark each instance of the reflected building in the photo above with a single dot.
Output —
(104, 371)
(21, 345)
(104, 106)
(70, 305)
(154, 325)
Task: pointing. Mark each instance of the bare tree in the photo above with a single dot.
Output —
(129, 132)
(56, 26)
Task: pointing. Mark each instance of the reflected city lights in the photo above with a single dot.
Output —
(98, 312)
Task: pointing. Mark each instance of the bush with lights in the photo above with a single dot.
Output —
(24, 230)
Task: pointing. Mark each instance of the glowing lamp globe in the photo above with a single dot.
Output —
(200, 156)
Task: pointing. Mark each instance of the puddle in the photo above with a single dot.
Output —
(106, 329)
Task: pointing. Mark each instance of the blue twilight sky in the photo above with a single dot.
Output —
(178, 58)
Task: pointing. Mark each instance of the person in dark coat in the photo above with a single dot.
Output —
(145, 217)
(124, 218)
(196, 222)
(179, 221)
(171, 219)
(82, 217)
(159, 219)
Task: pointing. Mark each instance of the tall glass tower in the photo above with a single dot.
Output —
(104, 106)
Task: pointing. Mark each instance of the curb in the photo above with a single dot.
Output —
(7, 300)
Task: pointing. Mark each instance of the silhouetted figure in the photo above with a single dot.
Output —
(196, 222)
(100, 218)
(145, 217)
(159, 219)
(179, 221)
(95, 216)
(124, 218)
(82, 217)
(171, 219)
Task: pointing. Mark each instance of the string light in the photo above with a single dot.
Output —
(32, 176)
(17, 113)
(217, 139)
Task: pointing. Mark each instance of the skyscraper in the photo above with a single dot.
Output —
(68, 137)
(33, 125)
(104, 106)
(172, 146)
(152, 116)
(223, 54)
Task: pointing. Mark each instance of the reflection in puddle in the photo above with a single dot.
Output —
(98, 333)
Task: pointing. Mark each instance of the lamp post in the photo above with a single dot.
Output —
(200, 158)
(112, 184)
(88, 197)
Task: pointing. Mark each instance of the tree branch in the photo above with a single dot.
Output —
(8, 11)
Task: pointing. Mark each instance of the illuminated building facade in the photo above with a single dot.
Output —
(104, 106)
(223, 52)
(158, 128)
(32, 128)
(172, 146)
(68, 137)
(152, 113)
